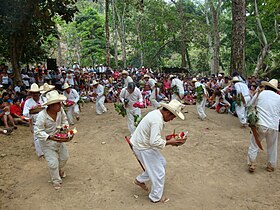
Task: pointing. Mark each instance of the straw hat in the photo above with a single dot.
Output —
(146, 76)
(272, 83)
(94, 82)
(46, 88)
(125, 72)
(66, 86)
(171, 76)
(194, 79)
(54, 97)
(34, 88)
(220, 75)
(235, 79)
(175, 107)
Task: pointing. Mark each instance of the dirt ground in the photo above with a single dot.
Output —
(208, 172)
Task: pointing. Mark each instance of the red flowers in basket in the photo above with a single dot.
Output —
(69, 103)
(65, 132)
(181, 135)
(139, 105)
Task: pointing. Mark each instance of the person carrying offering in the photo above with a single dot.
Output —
(147, 141)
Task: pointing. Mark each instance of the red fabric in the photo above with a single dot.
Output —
(14, 109)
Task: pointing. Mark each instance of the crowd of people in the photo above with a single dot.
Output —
(47, 99)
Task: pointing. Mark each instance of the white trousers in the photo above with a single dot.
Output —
(130, 118)
(153, 99)
(241, 113)
(271, 137)
(72, 110)
(37, 145)
(56, 154)
(175, 96)
(154, 164)
(100, 108)
(200, 107)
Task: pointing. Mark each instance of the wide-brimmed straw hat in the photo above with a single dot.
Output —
(46, 88)
(34, 88)
(94, 82)
(175, 107)
(146, 76)
(172, 76)
(235, 79)
(272, 83)
(54, 97)
(66, 86)
(194, 79)
(125, 72)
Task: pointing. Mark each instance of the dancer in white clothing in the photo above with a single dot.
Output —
(155, 91)
(200, 105)
(98, 93)
(73, 96)
(179, 86)
(267, 104)
(127, 79)
(129, 96)
(147, 142)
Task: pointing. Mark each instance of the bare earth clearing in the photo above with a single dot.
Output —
(208, 172)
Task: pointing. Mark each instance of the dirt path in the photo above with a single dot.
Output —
(208, 172)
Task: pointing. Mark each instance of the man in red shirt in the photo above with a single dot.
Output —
(16, 113)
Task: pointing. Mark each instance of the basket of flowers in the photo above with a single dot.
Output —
(65, 133)
(68, 103)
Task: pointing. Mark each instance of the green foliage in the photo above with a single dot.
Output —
(199, 93)
(119, 108)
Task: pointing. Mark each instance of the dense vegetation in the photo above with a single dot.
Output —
(206, 36)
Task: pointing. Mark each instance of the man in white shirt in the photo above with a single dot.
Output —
(70, 77)
(98, 93)
(71, 95)
(147, 142)
(243, 90)
(200, 105)
(155, 91)
(129, 96)
(127, 79)
(267, 105)
(55, 150)
(179, 85)
(29, 110)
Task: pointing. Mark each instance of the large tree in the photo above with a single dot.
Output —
(238, 36)
(24, 26)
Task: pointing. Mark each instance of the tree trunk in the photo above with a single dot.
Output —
(15, 59)
(183, 55)
(115, 36)
(59, 55)
(211, 49)
(216, 48)
(238, 37)
(188, 58)
(107, 33)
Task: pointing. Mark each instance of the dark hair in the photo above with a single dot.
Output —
(270, 88)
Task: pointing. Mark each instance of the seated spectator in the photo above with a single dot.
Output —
(16, 113)
(5, 114)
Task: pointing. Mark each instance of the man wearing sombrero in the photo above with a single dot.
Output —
(127, 79)
(44, 89)
(243, 91)
(147, 142)
(46, 126)
(98, 93)
(31, 109)
(267, 104)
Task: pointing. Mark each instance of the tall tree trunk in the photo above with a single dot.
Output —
(59, 55)
(209, 37)
(215, 16)
(15, 59)
(188, 58)
(183, 55)
(115, 35)
(107, 33)
(238, 37)
(265, 45)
